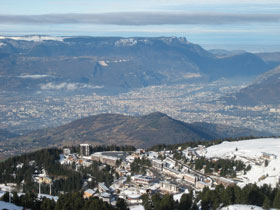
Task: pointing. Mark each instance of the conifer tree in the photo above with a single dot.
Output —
(276, 201)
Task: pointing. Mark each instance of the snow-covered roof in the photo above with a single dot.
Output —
(90, 191)
(105, 195)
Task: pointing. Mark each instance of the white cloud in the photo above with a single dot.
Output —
(34, 76)
(141, 18)
(67, 86)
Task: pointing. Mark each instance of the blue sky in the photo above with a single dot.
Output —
(253, 25)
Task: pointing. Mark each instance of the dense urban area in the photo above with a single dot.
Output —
(187, 102)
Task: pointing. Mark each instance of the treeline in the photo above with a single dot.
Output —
(99, 174)
(251, 194)
(225, 166)
(21, 169)
(185, 145)
(139, 165)
(69, 201)
(166, 202)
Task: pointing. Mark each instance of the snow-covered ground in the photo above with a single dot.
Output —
(252, 152)
(9, 206)
(177, 197)
(138, 207)
(241, 207)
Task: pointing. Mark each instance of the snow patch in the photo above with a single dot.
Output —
(138, 207)
(9, 206)
(66, 86)
(35, 38)
(241, 207)
(126, 42)
(102, 63)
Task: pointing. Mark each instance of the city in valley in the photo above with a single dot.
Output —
(202, 102)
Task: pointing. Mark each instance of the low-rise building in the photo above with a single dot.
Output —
(269, 156)
(171, 172)
(102, 187)
(169, 187)
(106, 197)
(157, 164)
(200, 185)
(134, 199)
(224, 181)
(109, 158)
(190, 178)
(143, 180)
(89, 193)
(168, 162)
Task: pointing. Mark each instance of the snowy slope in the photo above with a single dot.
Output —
(251, 152)
(9, 206)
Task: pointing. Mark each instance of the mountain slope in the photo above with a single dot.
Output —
(145, 131)
(113, 63)
(271, 58)
(265, 90)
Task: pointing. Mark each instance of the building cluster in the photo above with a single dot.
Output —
(164, 175)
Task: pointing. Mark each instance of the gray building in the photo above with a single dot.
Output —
(84, 149)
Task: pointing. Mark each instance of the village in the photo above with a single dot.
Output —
(165, 174)
(173, 172)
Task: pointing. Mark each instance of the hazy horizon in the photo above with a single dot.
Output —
(232, 25)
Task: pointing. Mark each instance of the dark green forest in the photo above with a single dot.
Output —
(69, 201)
(65, 178)
(251, 194)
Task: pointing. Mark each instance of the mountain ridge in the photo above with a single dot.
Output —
(115, 64)
(263, 91)
(140, 131)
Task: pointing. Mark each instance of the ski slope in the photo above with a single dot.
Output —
(253, 152)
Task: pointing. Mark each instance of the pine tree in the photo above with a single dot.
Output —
(185, 202)
(121, 204)
(266, 203)
(276, 201)
(167, 202)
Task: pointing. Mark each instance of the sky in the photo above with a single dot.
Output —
(252, 25)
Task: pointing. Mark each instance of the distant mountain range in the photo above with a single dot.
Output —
(142, 131)
(264, 90)
(113, 64)
(271, 58)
